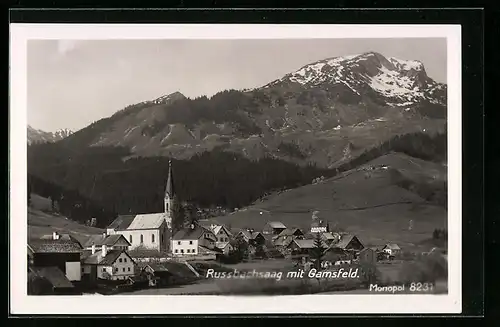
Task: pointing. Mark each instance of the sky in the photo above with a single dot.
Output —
(74, 83)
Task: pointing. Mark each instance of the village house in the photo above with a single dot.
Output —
(149, 231)
(107, 264)
(273, 227)
(286, 237)
(303, 247)
(193, 241)
(251, 237)
(391, 249)
(112, 242)
(346, 248)
(61, 251)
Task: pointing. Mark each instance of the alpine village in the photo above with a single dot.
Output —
(175, 217)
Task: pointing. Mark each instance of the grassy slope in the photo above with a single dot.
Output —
(42, 222)
(374, 208)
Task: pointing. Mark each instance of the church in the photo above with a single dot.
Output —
(152, 230)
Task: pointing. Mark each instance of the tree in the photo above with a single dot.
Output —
(178, 216)
(318, 251)
(191, 214)
(240, 249)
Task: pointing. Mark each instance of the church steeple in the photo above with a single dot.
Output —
(169, 190)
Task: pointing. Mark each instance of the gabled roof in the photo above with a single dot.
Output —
(290, 231)
(256, 234)
(344, 241)
(283, 240)
(276, 224)
(191, 234)
(148, 221)
(98, 259)
(392, 246)
(219, 227)
(122, 222)
(63, 245)
(307, 244)
(175, 268)
(108, 240)
(54, 275)
(204, 250)
(328, 236)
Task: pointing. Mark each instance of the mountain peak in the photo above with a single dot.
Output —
(169, 98)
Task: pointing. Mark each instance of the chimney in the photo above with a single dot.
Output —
(103, 234)
(104, 250)
(55, 236)
(93, 248)
(192, 226)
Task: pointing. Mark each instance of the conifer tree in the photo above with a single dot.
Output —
(318, 251)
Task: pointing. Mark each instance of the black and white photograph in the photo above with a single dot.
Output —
(250, 169)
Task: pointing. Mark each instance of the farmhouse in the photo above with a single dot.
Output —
(349, 242)
(273, 227)
(61, 251)
(223, 236)
(251, 237)
(303, 246)
(193, 240)
(107, 264)
(391, 249)
(150, 231)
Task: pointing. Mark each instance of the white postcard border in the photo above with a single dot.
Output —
(21, 303)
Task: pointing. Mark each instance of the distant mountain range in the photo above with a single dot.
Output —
(324, 113)
(39, 136)
(228, 150)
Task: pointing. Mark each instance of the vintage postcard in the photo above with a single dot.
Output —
(161, 169)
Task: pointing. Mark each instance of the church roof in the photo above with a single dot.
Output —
(148, 221)
(169, 189)
(141, 221)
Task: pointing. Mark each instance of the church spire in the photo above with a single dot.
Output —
(169, 189)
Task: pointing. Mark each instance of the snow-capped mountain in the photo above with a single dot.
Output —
(39, 136)
(400, 82)
(308, 116)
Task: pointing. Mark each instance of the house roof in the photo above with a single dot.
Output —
(392, 246)
(219, 227)
(204, 250)
(122, 222)
(290, 231)
(283, 240)
(108, 240)
(68, 245)
(276, 224)
(54, 275)
(191, 234)
(328, 236)
(344, 241)
(307, 244)
(98, 259)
